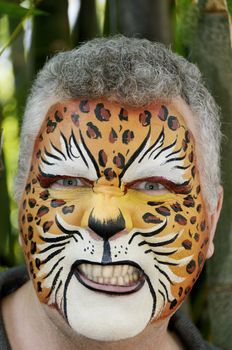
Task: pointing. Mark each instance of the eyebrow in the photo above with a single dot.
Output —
(155, 161)
(72, 159)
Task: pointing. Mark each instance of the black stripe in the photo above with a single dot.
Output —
(164, 273)
(73, 232)
(57, 290)
(55, 239)
(135, 155)
(160, 253)
(182, 167)
(53, 246)
(59, 151)
(162, 296)
(51, 155)
(171, 154)
(52, 255)
(90, 156)
(166, 291)
(79, 150)
(54, 282)
(154, 144)
(175, 159)
(164, 149)
(46, 162)
(167, 263)
(66, 145)
(148, 234)
(160, 244)
(53, 268)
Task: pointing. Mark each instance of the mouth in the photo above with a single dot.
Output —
(112, 278)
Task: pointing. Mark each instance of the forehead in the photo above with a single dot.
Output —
(100, 121)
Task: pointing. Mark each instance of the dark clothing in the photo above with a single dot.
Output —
(188, 334)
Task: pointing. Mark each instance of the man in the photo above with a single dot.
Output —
(119, 195)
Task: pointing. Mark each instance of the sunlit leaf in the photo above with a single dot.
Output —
(16, 11)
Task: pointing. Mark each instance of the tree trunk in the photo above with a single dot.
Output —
(86, 26)
(50, 32)
(139, 18)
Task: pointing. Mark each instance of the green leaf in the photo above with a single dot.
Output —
(16, 11)
(229, 5)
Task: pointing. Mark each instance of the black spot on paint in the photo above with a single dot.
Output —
(84, 106)
(102, 113)
(123, 114)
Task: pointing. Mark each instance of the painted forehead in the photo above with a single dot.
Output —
(96, 139)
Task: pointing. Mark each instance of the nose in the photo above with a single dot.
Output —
(106, 228)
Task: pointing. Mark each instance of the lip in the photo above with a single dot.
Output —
(110, 287)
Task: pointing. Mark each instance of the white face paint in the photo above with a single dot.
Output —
(112, 218)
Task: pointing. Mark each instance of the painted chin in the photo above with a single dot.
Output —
(100, 307)
(111, 279)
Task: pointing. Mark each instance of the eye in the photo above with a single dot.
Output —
(148, 186)
(69, 182)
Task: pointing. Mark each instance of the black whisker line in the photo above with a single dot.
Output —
(160, 137)
(54, 282)
(172, 153)
(148, 234)
(160, 253)
(66, 145)
(55, 239)
(164, 149)
(164, 273)
(50, 155)
(134, 155)
(59, 151)
(54, 267)
(69, 233)
(79, 150)
(165, 289)
(46, 162)
(53, 246)
(52, 255)
(160, 244)
(175, 159)
(90, 155)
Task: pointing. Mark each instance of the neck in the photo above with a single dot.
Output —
(23, 314)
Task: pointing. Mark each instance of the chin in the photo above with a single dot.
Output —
(107, 312)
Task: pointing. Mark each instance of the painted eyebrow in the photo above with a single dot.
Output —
(72, 158)
(155, 161)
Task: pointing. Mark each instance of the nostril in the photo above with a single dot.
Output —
(106, 228)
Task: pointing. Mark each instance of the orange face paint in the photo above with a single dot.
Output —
(113, 206)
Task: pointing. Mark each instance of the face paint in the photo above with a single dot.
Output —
(112, 218)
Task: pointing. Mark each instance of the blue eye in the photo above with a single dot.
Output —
(149, 186)
(69, 182)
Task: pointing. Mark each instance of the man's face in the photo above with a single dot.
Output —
(112, 217)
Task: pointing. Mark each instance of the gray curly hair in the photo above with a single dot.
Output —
(132, 72)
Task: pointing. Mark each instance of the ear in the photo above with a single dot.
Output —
(213, 219)
(20, 240)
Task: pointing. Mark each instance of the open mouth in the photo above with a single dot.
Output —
(113, 278)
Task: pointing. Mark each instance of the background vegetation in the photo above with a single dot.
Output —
(31, 31)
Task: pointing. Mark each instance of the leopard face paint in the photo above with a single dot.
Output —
(112, 218)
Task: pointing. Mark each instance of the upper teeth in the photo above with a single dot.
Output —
(110, 274)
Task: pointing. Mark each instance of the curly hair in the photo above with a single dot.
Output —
(133, 72)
